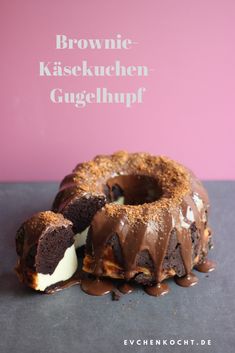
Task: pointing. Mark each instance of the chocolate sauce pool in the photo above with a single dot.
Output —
(100, 286)
(206, 266)
(157, 290)
(96, 286)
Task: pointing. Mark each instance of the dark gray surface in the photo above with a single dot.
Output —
(71, 321)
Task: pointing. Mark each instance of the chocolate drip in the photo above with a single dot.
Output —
(133, 240)
(96, 286)
(186, 281)
(157, 290)
(126, 288)
(206, 266)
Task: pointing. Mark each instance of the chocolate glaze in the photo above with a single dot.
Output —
(138, 237)
(206, 266)
(157, 290)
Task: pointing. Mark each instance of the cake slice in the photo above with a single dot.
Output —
(47, 255)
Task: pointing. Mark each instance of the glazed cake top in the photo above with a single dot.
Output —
(91, 177)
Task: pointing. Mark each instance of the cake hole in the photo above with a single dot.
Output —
(133, 189)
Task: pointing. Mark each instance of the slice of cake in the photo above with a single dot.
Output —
(47, 255)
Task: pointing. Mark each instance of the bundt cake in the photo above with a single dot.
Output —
(45, 246)
(145, 218)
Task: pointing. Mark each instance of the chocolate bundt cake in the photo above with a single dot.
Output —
(146, 218)
(45, 246)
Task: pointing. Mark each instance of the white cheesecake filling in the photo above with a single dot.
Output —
(80, 238)
(63, 271)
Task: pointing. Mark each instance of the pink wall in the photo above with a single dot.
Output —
(189, 105)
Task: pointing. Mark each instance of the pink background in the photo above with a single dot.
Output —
(188, 109)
